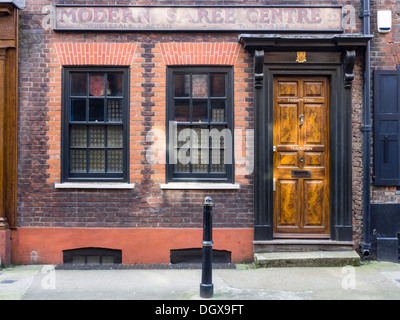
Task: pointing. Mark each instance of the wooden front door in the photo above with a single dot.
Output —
(301, 157)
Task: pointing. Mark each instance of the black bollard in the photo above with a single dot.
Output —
(206, 286)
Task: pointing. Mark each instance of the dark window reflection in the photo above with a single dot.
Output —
(78, 110)
(78, 84)
(199, 113)
(96, 110)
(218, 85)
(182, 111)
(114, 84)
(182, 85)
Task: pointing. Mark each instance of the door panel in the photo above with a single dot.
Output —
(313, 89)
(288, 193)
(313, 123)
(287, 131)
(313, 159)
(288, 159)
(301, 157)
(288, 89)
(313, 202)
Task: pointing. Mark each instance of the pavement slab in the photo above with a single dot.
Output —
(369, 281)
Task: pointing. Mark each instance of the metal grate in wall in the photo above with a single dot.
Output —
(92, 257)
(194, 255)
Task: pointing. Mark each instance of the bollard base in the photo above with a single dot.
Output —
(206, 290)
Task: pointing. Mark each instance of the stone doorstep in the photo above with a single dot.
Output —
(295, 245)
(307, 259)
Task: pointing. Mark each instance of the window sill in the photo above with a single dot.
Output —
(94, 185)
(199, 186)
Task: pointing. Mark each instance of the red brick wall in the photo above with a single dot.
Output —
(42, 54)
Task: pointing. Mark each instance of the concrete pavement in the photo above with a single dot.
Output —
(370, 281)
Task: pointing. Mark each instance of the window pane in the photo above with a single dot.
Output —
(218, 111)
(182, 161)
(97, 136)
(183, 137)
(96, 84)
(78, 160)
(78, 84)
(217, 160)
(200, 160)
(114, 136)
(114, 107)
(96, 110)
(218, 85)
(78, 136)
(182, 85)
(114, 160)
(78, 110)
(200, 85)
(199, 111)
(200, 137)
(96, 161)
(182, 111)
(219, 135)
(114, 84)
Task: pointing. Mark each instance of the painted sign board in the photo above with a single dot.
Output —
(199, 18)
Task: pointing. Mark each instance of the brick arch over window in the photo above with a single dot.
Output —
(112, 54)
(200, 53)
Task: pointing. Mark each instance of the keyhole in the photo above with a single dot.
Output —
(301, 159)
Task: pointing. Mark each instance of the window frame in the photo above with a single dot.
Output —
(67, 175)
(209, 177)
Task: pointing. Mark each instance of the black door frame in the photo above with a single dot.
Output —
(327, 55)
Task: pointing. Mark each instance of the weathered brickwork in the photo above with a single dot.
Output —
(43, 53)
(42, 56)
(385, 55)
(357, 122)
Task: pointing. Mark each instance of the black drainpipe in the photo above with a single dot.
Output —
(367, 128)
